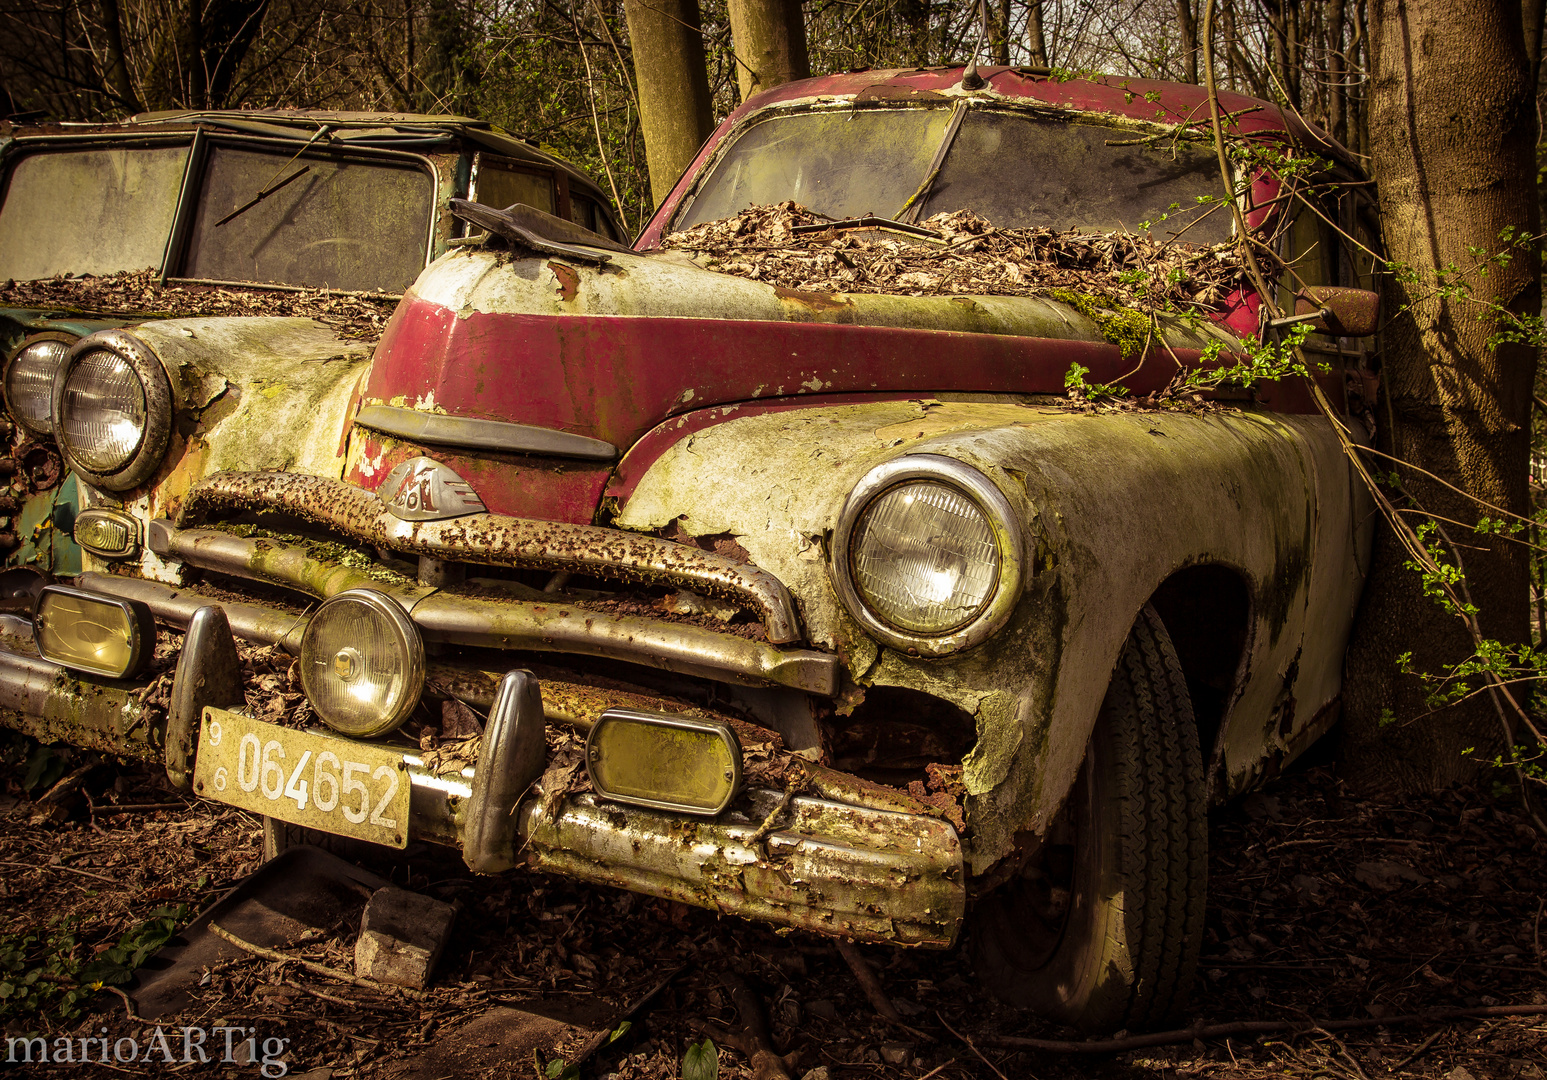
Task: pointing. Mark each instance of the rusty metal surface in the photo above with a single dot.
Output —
(833, 869)
(509, 624)
(496, 540)
(53, 705)
(572, 704)
(176, 606)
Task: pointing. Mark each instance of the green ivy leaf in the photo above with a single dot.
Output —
(701, 1062)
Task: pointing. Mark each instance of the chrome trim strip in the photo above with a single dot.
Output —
(465, 620)
(496, 540)
(472, 433)
(845, 870)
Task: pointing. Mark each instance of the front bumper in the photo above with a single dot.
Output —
(808, 862)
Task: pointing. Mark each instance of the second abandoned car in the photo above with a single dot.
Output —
(814, 605)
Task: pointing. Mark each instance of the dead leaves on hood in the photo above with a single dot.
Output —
(970, 256)
(140, 293)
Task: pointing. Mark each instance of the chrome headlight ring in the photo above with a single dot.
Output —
(964, 481)
(29, 378)
(142, 462)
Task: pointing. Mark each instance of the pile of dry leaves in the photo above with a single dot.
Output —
(784, 245)
(140, 294)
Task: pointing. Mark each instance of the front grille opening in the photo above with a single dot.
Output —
(895, 734)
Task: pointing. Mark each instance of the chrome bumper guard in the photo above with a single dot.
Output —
(809, 863)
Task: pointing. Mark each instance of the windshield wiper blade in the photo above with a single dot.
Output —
(322, 133)
(910, 209)
(264, 194)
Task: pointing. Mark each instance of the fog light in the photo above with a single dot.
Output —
(665, 762)
(98, 634)
(362, 663)
(107, 533)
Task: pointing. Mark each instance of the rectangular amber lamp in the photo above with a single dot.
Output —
(662, 761)
(101, 635)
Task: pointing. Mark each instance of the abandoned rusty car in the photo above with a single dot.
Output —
(811, 603)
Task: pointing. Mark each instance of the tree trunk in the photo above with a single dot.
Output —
(770, 41)
(115, 70)
(674, 105)
(999, 47)
(1337, 93)
(1452, 128)
(1036, 40)
(1187, 26)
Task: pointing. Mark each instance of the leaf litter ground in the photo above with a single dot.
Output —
(1320, 905)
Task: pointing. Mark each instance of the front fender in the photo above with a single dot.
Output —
(250, 394)
(1112, 504)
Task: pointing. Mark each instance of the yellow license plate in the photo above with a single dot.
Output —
(316, 781)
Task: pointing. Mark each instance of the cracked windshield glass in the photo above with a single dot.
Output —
(1015, 170)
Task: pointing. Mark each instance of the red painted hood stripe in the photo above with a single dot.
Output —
(614, 377)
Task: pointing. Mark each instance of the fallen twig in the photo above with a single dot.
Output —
(1422, 1047)
(868, 982)
(314, 968)
(974, 1048)
(348, 1003)
(1251, 1027)
(753, 1041)
(61, 866)
(603, 1037)
(140, 808)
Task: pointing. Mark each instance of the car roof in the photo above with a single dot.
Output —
(1131, 98)
(391, 130)
(1135, 99)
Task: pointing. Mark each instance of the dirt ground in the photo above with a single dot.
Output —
(1321, 908)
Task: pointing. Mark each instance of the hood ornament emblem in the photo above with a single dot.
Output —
(422, 489)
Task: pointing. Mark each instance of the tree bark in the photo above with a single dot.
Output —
(674, 106)
(1036, 39)
(1187, 26)
(115, 73)
(770, 42)
(1452, 131)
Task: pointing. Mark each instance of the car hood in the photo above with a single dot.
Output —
(609, 352)
(612, 351)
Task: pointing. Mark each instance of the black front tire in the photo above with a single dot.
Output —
(1101, 929)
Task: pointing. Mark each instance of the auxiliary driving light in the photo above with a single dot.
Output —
(102, 635)
(108, 534)
(665, 762)
(362, 663)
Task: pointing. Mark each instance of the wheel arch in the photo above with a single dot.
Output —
(1207, 609)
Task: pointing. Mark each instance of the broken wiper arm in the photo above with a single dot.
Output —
(264, 194)
(272, 187)
(910, 209)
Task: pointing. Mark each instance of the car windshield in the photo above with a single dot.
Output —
(1016, 170)
(339, 223)
(353, 223)
(94, 211)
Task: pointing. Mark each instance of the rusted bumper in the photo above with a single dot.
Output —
(809, 863)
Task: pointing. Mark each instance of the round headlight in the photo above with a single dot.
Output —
(29, 383)
(103, 411)
(362, 663)
(924, 557)
(112, 410)
(927, 555)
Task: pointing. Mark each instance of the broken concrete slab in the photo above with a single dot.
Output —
(302, 892)
(402, 936)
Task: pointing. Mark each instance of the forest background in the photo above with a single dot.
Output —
(561, 72)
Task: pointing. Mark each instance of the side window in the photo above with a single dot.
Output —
(1309, 245)
(89, 211)
(500, 184)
